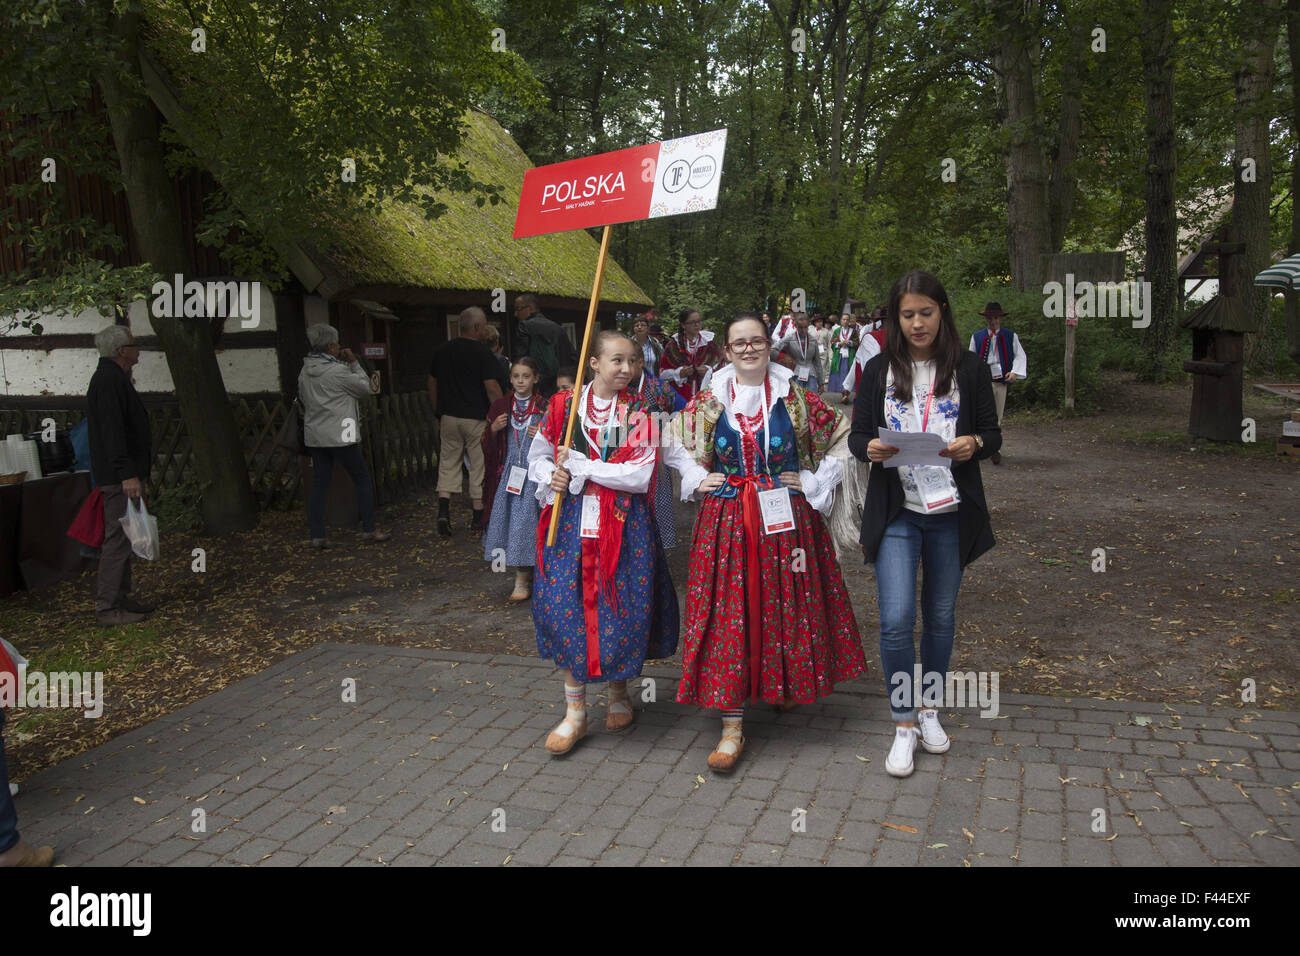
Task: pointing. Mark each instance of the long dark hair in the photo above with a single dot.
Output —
(946, 350)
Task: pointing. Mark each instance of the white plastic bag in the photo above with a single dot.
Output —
(141, 529)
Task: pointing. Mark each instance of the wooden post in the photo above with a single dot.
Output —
(582, 368)
(1071, 323)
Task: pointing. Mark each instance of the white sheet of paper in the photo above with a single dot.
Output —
(915, 448)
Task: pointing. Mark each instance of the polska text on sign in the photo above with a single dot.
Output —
(644, 182)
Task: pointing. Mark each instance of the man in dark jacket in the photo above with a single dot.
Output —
(543, 340)
(120, 453)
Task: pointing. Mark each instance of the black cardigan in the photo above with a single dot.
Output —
(120, 442)
(976, 415)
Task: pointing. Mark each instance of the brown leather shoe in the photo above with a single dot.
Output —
(724, 762)
(23, 853)
(135, 607)
(117, 617)
(558, 744)
(617, 722)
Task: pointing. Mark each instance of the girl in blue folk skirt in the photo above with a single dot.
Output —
(512, 528)
(603, 601)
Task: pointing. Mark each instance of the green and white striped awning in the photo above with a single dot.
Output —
(1283, 275)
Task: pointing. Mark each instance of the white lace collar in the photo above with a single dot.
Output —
(705, 338)
(749, 398)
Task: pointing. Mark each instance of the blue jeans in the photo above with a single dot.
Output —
(932, 542)
(322, 472)
(8, 815)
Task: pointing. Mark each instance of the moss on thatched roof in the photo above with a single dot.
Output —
(470, 246)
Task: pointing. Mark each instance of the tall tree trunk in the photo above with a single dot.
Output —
(1028, 228)
(1162, 215)
(1064, 182)
(1250, 199)
(228, 503)
(840, 65)
(1293, 297)
(785, 133)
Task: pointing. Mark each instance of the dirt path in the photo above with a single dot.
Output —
(1200, 590)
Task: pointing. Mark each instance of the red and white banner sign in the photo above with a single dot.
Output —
(645, 182)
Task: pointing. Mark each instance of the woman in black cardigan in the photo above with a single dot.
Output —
(931, 516)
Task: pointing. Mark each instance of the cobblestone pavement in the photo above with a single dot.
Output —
(440, 760)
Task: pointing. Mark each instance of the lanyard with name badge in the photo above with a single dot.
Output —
(518, 476)
(589, 526)
(934, 483)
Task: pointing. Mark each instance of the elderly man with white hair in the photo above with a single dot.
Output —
(328, 387)
(121, 450)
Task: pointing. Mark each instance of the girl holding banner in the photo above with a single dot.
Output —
(603, 602)
(767, 614)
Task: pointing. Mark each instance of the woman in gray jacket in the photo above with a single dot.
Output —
(328, 387)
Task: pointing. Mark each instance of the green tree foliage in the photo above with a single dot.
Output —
(845, 115)
(273, 98)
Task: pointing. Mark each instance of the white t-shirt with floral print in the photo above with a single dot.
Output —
(907, 417)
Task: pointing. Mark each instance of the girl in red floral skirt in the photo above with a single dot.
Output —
(767, 614)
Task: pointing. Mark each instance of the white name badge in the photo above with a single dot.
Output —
(590, 516)
(936, 486)
(777, 514)
(515, 484)
(802, 372)
(844, 353)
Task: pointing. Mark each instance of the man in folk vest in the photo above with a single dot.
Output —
(1001, 349)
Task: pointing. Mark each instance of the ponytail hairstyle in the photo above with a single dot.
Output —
(946, 352)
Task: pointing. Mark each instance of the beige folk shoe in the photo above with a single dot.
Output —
(621, 719)
(722, 762)
(563, 738)
(523, 589)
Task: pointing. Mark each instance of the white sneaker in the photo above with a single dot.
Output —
(933, 739)
(899, 761)
(13, 789)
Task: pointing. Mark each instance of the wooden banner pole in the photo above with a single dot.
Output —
(582, 368)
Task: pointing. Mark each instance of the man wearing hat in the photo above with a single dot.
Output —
(1006, 358)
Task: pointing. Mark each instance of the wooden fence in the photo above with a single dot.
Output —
(398, 439)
